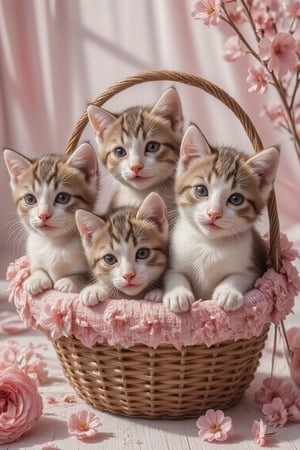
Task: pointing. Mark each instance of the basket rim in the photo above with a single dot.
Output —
(211, 89)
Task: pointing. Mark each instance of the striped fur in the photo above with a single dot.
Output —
(47, 191)
(127, 250)
(215, 251)
(140, 148)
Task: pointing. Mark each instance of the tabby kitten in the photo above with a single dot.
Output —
(215, 251)
(127, 251)
(140, 148)
(47, 191)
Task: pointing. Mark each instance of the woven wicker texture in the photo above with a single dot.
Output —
(164, 382)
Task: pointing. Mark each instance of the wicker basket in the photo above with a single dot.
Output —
(164, 381)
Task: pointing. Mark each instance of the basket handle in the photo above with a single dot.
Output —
(215, 91)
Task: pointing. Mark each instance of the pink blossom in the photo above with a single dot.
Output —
(294, 411)
(214, 426)
(261, 19)
(293, 336)
(259, 432)
(35, 366)
(280, 53)
(20, 404)
(292, 8)
(49, 446)
(83, 424)
(275, 412)
(258, 78)
(233, 49)
(275, 113)
(56, 318)
(275, 388)
(208, 11)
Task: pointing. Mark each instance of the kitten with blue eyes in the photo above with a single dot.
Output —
(127, 251)
(140, 147)
(47, 191)
(215, 251)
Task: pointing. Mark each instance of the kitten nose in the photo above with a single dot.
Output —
(214, 215)
(44, 216)
(136, 168)
(128, 276)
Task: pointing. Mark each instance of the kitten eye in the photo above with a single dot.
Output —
(62, 198)
(120, 152)
(110, 260)
(142, 253)
(236, 199)
(30, 199)
(152, 147)
(201, 191)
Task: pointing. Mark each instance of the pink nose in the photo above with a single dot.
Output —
(136, 168)
(44, 216)
(214, 215)
(128, 276)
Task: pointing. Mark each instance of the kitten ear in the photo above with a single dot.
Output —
(193, 145)
(265, 164)
(88, 224)
(154, 210)
(84, 158)
(100, 120)
(16, 165)
(169, 107)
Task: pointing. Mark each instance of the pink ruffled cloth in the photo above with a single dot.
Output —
(130, 322)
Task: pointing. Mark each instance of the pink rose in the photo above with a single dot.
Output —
(20, 404)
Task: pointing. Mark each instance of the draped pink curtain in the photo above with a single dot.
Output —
(58, 55)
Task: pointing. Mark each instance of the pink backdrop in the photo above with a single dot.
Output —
(58, 55)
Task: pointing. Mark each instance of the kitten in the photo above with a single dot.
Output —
(47, 191)
(140, 148)
(215, 251)
(127, 251)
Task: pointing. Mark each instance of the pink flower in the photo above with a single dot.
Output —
(208, 11)
(275, 412)
(214, 426)
(281, 53)
(83, 424)
(49, 446)
(57, 318)
(293, 336)
(275, 113)
(275, 388)
(294, 411)
(20, 404)
(292, 8)
(258, 78)
(259, 432)
(233, 49)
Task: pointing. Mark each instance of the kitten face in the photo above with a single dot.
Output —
(140, 147)
(128, 250)
(47, 191)
(220, 191)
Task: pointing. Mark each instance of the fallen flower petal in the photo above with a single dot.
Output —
(214, 426)
(49, 446)
(83, 424)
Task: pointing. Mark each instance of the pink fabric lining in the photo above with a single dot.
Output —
(130, 322)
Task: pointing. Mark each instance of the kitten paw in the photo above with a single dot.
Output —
(179, 299)
(67, 285)
(156, 295)
(228, 298)
(91, 295)
(38, 282)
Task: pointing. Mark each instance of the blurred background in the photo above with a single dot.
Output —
(56, 56)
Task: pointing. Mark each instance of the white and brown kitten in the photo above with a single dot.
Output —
(140, 148)
(47, 191)
(215, 251)
(127, 251)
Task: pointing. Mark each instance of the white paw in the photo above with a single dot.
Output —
(156, 295)
(67, 285)
(91, 295)
(38, 282)
(179, 299)
(228, 298)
